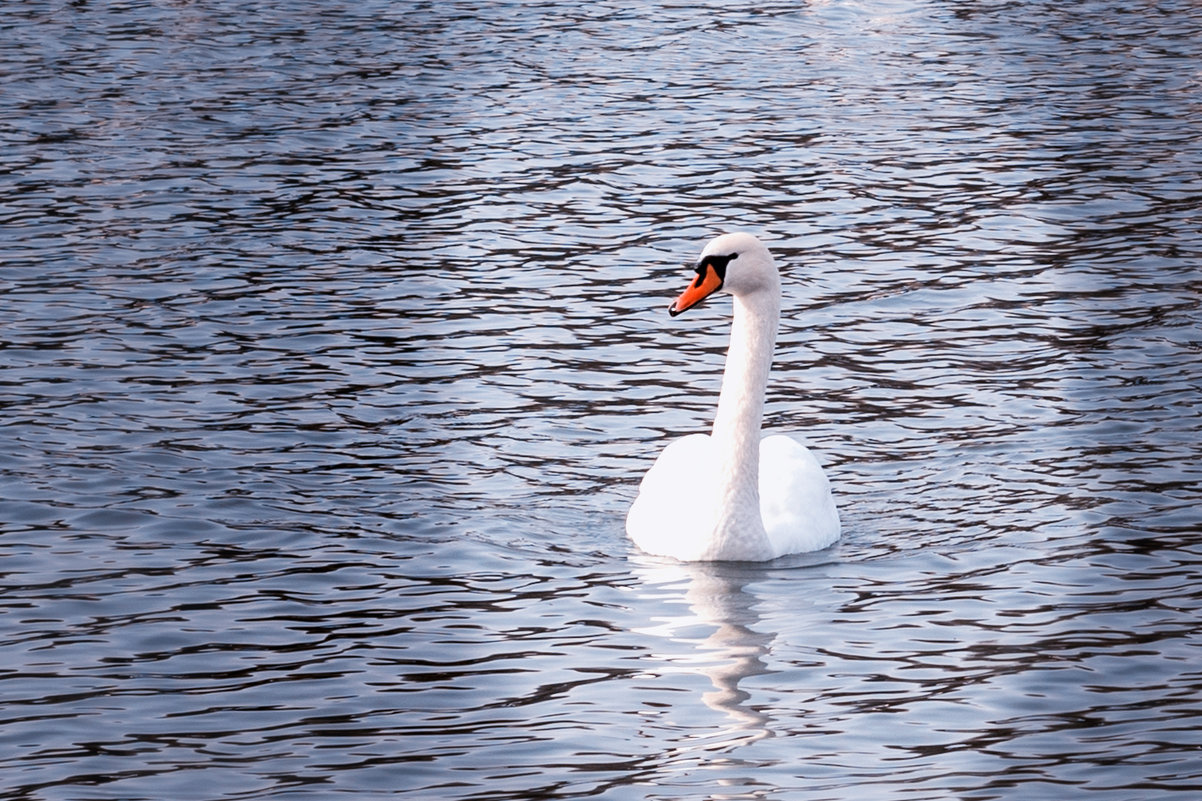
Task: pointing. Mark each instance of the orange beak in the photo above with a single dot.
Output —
(705, 284)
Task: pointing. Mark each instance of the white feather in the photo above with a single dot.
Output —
(732, 495)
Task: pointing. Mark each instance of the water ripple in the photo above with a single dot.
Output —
(335, 344)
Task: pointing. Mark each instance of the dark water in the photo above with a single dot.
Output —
(334, 345)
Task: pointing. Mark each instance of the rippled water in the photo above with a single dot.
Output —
(335, 343)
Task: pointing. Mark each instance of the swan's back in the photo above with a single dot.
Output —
(676, 511)
(676, 505)
(795, 497)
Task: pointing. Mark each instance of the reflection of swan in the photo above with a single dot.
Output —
(730, 495)
(732, 652)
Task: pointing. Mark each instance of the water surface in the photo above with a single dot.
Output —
(335, 343)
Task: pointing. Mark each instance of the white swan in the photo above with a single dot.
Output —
(731, 495)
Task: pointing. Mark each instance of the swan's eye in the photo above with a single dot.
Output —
(719, 264)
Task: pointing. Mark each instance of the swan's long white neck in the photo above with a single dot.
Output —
(736, 431)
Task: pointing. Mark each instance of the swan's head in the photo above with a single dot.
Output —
(735, 263)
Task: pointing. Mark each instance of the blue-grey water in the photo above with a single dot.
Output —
(334, 345)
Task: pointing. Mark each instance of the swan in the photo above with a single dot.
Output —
(730, 495)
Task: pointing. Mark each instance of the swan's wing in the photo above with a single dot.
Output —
(795, 497)
(675, 502)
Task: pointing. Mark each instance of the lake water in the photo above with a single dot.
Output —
(335, 344)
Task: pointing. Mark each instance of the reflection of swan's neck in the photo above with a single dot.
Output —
(740, 413)
(744, 648)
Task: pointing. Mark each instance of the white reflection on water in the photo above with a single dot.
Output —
(714, 635)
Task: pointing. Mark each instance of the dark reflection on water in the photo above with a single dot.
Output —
(334, 346)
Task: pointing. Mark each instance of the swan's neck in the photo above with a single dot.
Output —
(736, 430)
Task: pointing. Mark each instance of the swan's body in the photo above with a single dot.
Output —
(732, 495)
